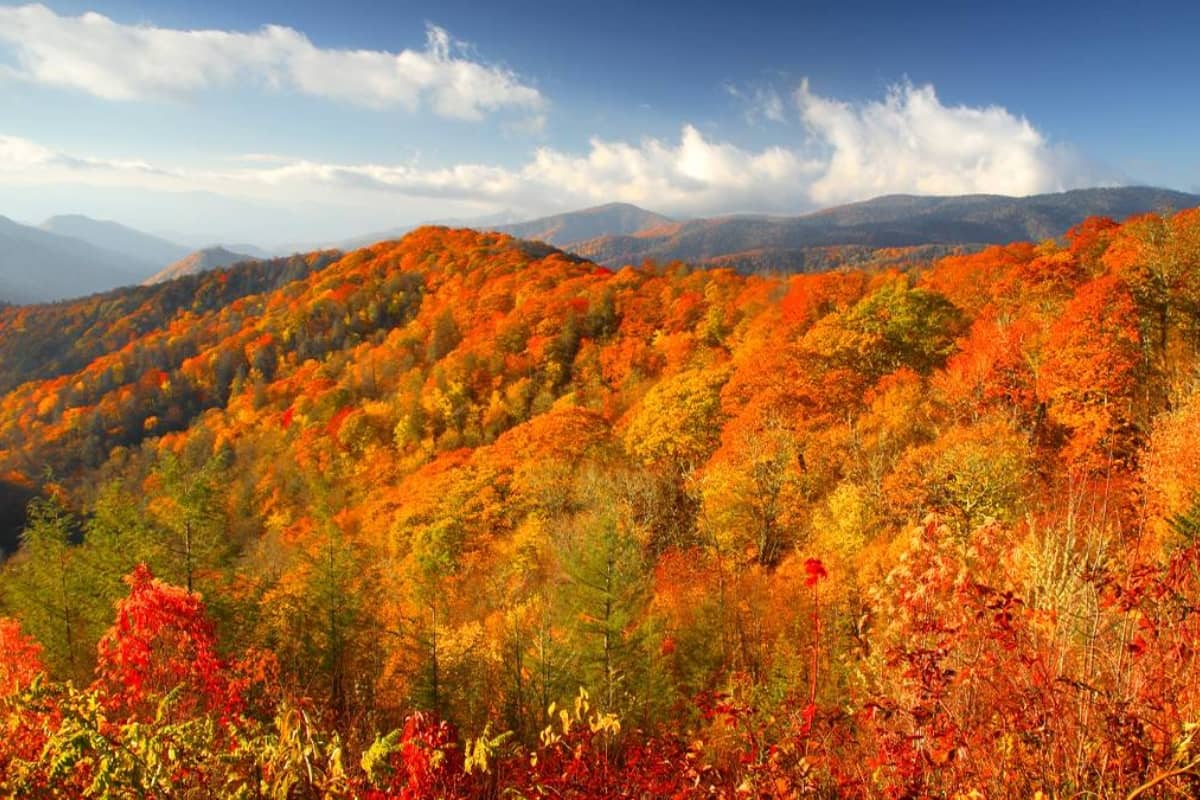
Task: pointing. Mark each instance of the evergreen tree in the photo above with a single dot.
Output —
(606, 599)
(52, 593)
(191, 520)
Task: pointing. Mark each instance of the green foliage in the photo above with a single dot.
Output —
(53, 589)
(605, 602)
(1187, 524)
(895, 326)
(191, 517)
(677, 425)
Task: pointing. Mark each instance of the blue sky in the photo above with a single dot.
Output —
(196, 119)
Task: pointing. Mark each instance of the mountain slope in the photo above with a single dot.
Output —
(466, 474)
(613, 219)
(43, 342)
(200, 261)
(135, 245)
(40, 266)
(890, 221)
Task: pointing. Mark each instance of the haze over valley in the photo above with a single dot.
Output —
(72, 256)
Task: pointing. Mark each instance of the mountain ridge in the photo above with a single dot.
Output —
(203, 260)
(614, 219)
(41, 266)
(885, 221)
(612, 235)
(138, 246)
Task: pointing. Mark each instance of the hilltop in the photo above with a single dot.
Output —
(208, 258)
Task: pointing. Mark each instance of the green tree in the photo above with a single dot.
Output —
(51, 591)
(895, 326)
(605, 600)
(118, 535)
(190, 517)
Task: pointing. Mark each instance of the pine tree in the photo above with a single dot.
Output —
(50, 591)
(191, 519)
(606, 598)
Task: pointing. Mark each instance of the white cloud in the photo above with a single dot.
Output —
(693, 175)
(92, 53)
(907, 142)
(24, 158)
(18, 155)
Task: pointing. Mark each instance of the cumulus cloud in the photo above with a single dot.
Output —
(907, 142)
(18, 155)
(693, 175)
(95, 54)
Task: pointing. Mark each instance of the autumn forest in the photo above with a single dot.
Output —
(464, 516)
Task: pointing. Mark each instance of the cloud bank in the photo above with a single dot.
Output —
(114, 61)
(909, 142)
(905, 142)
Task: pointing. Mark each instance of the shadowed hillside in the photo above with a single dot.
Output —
(39, 266)
(614, 219)
(894, 221)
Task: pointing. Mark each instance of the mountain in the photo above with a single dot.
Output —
(466, 474)
(192, 241)
(891, 221)
(40, 342)
(197, 262)
(561, 230)
(135, 245)
(39, 266)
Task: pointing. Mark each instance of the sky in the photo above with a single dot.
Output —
(275, 122)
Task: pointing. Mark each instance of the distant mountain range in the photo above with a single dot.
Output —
(563, 230)
(197, 262)
(785, 243)
(139, 248)
(37, 265)
(71, 256)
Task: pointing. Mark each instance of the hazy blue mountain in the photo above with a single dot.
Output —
(254, 251)
(134, 244)
(559, 229)
(39, 266)
(613, 219)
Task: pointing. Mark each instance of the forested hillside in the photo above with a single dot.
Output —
(462, 516)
